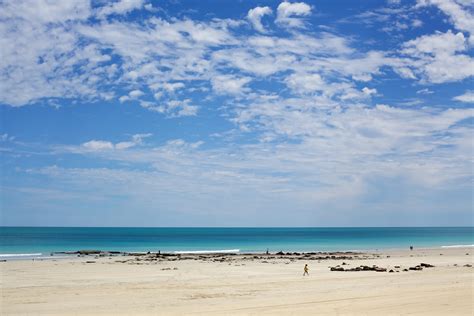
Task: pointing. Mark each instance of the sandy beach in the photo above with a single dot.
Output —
(242, 285)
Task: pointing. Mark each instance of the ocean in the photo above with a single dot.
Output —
(27, 242)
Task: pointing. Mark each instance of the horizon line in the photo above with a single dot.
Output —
(11, 226)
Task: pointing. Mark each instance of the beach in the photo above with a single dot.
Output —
(256, 284)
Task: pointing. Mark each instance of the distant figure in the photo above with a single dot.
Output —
(411, 247)
(306, 270)
(267, 252)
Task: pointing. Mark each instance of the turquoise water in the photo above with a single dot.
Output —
(36, 240)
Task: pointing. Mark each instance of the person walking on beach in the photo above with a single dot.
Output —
(306, 270)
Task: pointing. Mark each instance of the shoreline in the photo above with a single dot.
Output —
(84, 252)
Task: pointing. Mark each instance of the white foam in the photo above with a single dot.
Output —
(458, 246)
(207, 251)
(8, 255)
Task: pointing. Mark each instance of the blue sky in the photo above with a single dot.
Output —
(236, 113)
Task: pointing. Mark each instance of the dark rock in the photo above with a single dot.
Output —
(90, 261)
(416, 268)
(344, 263)
(397, 267)
(391, 271)
(337, 269)
(89, 252)
(406, 270)
(426, 265)
(280, 253)
(378, 269)
(468, 265)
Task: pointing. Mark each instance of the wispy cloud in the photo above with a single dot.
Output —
(467, 97)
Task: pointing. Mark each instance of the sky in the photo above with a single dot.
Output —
(236, 113)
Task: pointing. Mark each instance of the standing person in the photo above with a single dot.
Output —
(306, 270)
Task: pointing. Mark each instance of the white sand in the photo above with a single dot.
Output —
(73, 287)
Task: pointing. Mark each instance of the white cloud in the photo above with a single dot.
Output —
(173, 108)
(306, 83)
(43, 58)
(255, 16)
(137, 139)
(124, 98)
(124, 145)
(450, 68)
(102, 145)
(424, 91)
(409, 102)
(119, 7)
(288, 13)
(45, 11)
(458, 12)
(229, 84)
(439, 43)
(163, 56)
(173, 86)
(98, 145)
(181, 108)
(438, 58)
(417, 23)
(132, 95)
(369, 91)
(135, 94)
(467, 97)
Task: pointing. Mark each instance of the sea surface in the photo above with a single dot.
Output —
(27, 242)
